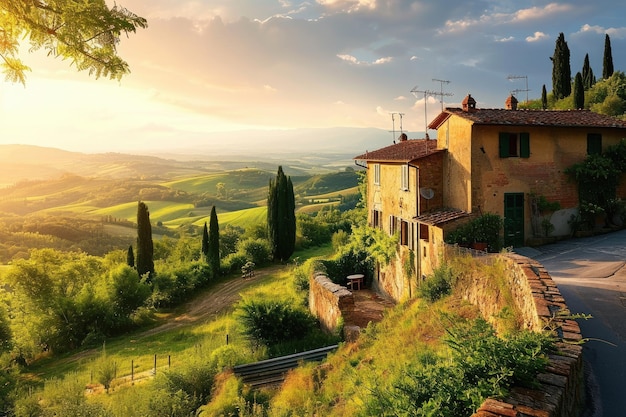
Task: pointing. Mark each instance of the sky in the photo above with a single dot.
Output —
(236, 66)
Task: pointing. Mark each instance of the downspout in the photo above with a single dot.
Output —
(417, 266)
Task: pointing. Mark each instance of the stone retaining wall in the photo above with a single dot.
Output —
(561, 390)
(327, 300)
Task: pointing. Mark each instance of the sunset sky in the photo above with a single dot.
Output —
(228, 65)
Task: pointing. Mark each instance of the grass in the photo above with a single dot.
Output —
(200, 338)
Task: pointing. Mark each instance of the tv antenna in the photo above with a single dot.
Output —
(393, 123)
(426, 93)
(519, 77)
(441, 93)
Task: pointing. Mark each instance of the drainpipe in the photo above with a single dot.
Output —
(418, 269)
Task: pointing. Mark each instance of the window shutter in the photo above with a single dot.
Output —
(504, 145)
(524, 150)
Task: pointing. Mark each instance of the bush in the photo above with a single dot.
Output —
(232, 263)
(348, 263)
(270, 323)
(256, 250)
(437, 285)
(481, 365)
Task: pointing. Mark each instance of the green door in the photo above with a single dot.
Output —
(514, 219)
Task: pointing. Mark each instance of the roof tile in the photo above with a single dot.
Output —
(555, 118)
(403, 151)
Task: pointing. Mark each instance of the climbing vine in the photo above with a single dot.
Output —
(598, 177)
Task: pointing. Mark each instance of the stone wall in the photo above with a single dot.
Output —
(561, 390)
(327, 300)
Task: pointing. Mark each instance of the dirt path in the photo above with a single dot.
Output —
(213, 302)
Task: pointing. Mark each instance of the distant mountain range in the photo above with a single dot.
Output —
(299, 151)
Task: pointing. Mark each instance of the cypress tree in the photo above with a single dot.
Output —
(607, 62)
(213, 250)
(130, 257)
(561, 70)
(205, 242)
(588, 77)
(281, 217)
(579, 92)
(145, 247)
(544, 97)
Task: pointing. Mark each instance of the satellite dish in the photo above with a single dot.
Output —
(427, 193)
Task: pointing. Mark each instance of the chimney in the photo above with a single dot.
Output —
(402, 137)
(511, 102)
(469, 104)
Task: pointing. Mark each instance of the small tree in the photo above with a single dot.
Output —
(205, 242)
(588, 78)
(145, 246)
(544, 98)
(561, 71)
(281, 217)
(607, 62)
(130, 257)
(579, 92)
(213, 243)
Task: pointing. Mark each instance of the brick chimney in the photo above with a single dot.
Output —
(469, 104)
(511, 102)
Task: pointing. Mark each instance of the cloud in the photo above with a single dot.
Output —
(541, 13)
(612, 32)
(537, 36)
(353, 60)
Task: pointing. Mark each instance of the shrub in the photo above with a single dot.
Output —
(256, 250)
(233, 262)
(271, 323)
(437, 285)
(481, 365)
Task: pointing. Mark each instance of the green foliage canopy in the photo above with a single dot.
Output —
(85, 32)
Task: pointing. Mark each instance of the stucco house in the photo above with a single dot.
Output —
(483, 161)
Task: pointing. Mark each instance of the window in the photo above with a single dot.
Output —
(405, 178)
(424, 232)
(377, 174)
(404, 233)
(594, 144)
(514, 145)
(393, 225)
(377, 219)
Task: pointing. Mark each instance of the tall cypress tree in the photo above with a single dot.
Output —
(544, 97)
(588, 78)
(281, 217)
(579, 92)
(145, 247)
(561, 70)
(205, 242)
(213, 250)
(607, 62)
(130, 257)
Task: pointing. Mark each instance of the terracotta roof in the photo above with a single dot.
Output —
(554, 118)
(441, 216)
(403, 151)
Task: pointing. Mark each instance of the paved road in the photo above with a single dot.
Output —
(591, 275)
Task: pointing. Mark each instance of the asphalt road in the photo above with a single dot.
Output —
(591, 275)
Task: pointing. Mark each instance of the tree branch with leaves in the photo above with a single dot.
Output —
(85, 32)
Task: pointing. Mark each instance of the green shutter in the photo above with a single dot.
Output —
(524, 149)
(504, 145)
